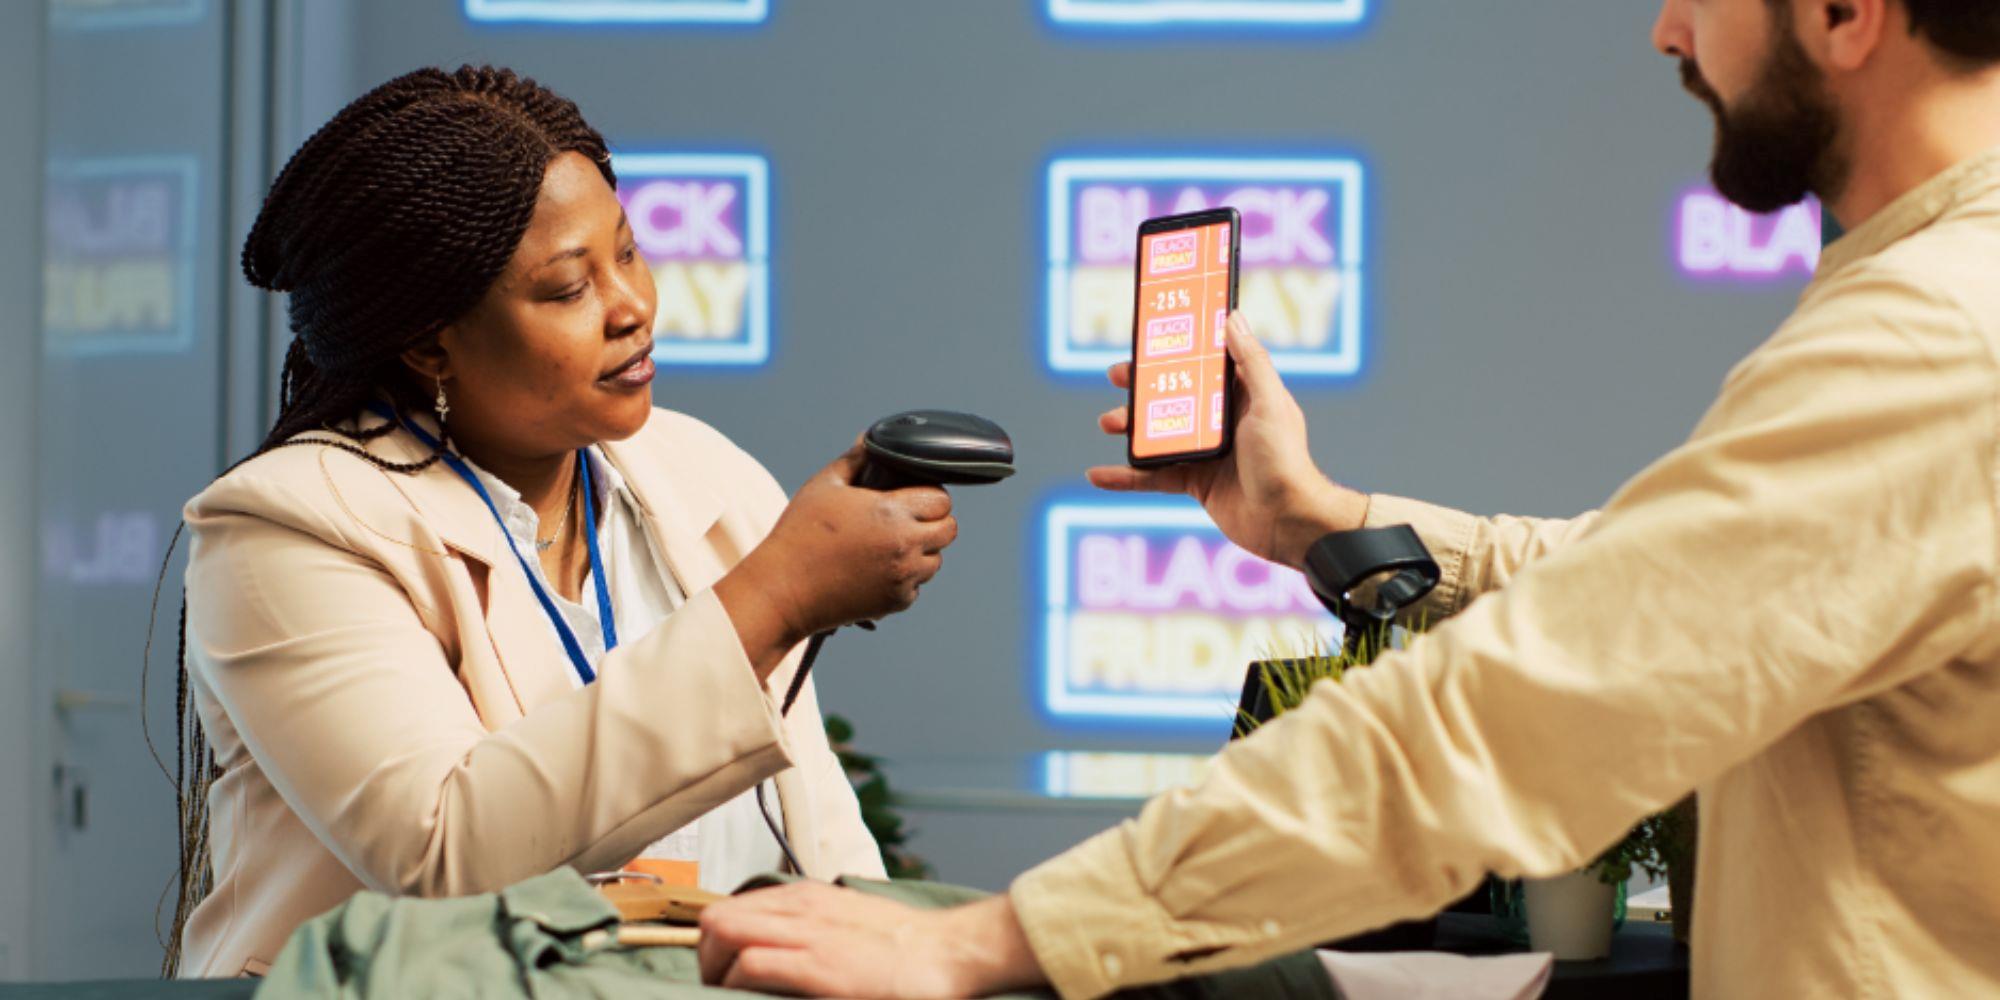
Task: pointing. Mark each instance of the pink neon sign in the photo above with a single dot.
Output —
(1135, 572)
(1715, 239)
(1282, 224)
(685, 219)
(1151, 614)
(1301, 280)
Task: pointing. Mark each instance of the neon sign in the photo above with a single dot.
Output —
(118, 547)
(1148, 613)
(620, 11)
(1171, 13)
(1715, 239)
(703, 223)
(120, 253)
(1301, 270)
(90, 14)
(1118, 775)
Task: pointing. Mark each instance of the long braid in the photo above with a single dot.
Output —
(390, 222)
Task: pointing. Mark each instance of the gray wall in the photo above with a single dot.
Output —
(21, 757)
(131, 388)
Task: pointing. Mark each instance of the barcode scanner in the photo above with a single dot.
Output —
(1392, 558)
(921, 448)
(935, 447)
(915, 448)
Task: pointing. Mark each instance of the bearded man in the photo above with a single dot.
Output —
(1794, 612)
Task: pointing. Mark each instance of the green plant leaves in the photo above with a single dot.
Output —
(871, 787)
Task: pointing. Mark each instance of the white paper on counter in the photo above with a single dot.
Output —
(1436, 975)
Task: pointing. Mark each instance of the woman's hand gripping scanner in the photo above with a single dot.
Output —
(919, 452)
(907, 458)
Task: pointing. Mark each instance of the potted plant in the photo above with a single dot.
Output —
(878, 806)
(1573, 916)
(1283, 679)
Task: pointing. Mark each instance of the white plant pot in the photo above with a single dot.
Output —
(1570, 916)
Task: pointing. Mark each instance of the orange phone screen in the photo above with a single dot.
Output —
(1179, 361)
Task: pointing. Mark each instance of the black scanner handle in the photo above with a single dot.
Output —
(1341, 562)
(882, 476)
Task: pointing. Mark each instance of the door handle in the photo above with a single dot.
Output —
(69, 700)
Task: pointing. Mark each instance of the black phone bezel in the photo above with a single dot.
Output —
(1167, 224)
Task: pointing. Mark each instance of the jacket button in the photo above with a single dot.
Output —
(1112, 966)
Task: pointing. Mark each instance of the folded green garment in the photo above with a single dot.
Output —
(553, 936)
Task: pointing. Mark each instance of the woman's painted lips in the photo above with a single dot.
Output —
(633, 373)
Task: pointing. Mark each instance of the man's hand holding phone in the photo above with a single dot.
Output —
(1266, 495)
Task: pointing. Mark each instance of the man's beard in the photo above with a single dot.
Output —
(1777, 145)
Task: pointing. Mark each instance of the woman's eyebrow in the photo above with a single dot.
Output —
(624, 226)
(565, 255)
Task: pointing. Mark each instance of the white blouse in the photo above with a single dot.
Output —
(731, 842)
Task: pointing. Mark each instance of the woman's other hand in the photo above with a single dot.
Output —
(839, 554)
(1266, 494)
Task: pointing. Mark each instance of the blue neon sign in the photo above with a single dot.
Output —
(1148, 614)
(1302, 267)
(703, 221)
(619, 11)
(1172, 13)
(115, 14)
(1114, 775)
(120, 271)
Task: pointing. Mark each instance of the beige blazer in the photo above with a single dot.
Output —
(389, 712)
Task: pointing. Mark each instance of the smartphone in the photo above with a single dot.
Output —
(1183, 381)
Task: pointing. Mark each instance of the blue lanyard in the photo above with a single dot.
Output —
(563, 631)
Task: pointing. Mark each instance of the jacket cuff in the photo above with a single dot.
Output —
(1084, 912)
(1095, 927)
(738, 693)
(694, 659)
(1447, 533)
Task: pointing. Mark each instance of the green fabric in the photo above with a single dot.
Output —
(550, 936)
(553, 936)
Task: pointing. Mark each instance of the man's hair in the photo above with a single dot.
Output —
(1966, 30)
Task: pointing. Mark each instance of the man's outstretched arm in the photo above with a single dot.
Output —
(1826, 535)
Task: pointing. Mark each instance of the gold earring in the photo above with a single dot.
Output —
(443, 405)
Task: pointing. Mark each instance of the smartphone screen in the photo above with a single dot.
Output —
(1182, 400)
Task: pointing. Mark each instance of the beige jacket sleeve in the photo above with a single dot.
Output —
(844, 845)
(1475, 554)
(1827, 533)
(330, 677)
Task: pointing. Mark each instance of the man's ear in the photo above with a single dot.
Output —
(429, 358)
(1846, 32)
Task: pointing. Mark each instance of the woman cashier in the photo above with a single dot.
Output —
(476, 609)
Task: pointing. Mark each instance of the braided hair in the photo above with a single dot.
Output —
(391, 221)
